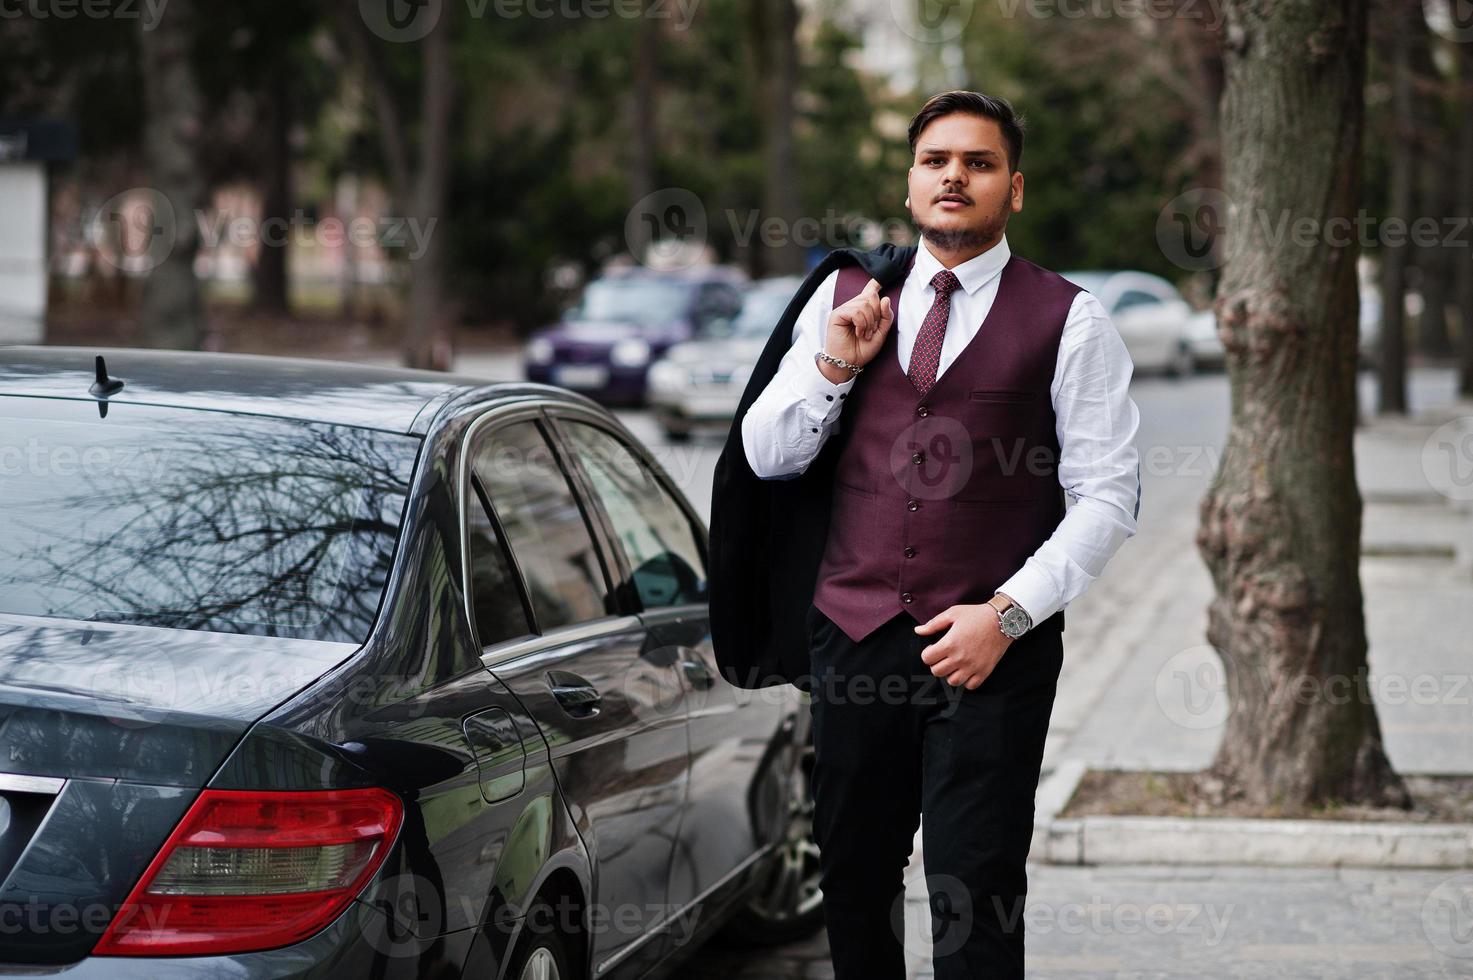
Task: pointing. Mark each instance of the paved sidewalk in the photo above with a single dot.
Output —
(1153, 694)
(1238, 923)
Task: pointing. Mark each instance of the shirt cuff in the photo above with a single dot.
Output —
(1033, 589)
(822, 399)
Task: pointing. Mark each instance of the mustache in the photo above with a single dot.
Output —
(959, 194)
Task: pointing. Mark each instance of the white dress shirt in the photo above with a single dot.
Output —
(1097, 420)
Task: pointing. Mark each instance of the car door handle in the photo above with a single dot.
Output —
(698, 674)
(578, 697)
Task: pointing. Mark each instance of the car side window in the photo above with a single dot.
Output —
(1135, 297)
(658, 539)
(544, 524)
(716, 301)
(496, 595)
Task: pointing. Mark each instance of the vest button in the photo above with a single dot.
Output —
(923, 411)
(913, 505)
(910, 552)
(907, 597)
(918, 458)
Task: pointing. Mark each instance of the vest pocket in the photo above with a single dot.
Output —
(1001, 395)
(992, 503)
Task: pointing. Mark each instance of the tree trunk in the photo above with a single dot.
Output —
(428, 332)
(776, 43)
(1280, 525)
(646, 136)
(1463, 258)
(1434, 200)
(1434, 268)
(1198, 44)
(420, 194)
(1396, 252)
(270, 294)
(171, 311)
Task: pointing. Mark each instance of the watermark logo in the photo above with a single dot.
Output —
(402, 911)
(1447, 917)
(1190, 229)
(652, 687)
(932, 21)
(1452, 19)
(667, 229)
(932, 457)
(1191, 688)
(147, 12)
(950, 920)
(1447, 459)
(134, 231)
(1208, 11)
(134, 692)
(401, 21)
(409, 234)
(406, 21)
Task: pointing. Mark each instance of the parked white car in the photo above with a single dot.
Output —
(1152, 317)
(1206, 351)
(698, 384)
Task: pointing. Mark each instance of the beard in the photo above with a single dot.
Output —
(959, 239)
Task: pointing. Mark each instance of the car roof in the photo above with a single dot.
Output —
(775, 284)
(693, 275)
(1104, 280)
(360, 395)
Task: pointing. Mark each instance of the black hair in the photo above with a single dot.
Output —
(974, 104)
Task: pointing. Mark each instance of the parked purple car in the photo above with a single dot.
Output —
(604, 345)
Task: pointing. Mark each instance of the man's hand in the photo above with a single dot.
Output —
(971, 648)
(857, 329)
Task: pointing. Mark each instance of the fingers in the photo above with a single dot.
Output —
(867, 315)
(936, 622)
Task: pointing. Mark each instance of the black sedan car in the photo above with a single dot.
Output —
(318, 670)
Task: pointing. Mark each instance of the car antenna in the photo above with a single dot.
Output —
(104, 387)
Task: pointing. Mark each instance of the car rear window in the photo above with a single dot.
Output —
(197, 520)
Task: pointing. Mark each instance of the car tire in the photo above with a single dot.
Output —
(542, 954)
(788, 905)
(1183, 363)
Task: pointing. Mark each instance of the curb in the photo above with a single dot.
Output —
(1104, 840)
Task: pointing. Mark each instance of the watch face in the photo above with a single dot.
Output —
(1015, 622)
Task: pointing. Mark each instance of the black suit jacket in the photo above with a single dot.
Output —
(768, 536)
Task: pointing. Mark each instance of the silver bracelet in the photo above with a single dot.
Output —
(854, 369)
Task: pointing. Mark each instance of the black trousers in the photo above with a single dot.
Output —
(895, 746)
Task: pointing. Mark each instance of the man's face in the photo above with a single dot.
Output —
(960, 191)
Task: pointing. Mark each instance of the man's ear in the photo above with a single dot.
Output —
(1017, 191)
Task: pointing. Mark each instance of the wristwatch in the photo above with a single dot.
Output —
(1012, 618)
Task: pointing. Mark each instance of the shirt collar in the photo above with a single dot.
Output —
(973, 274)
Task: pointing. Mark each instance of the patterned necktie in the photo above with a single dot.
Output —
(925, 356)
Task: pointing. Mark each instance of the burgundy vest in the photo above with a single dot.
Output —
(939, 500)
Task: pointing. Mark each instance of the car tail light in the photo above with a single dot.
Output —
(249, 871)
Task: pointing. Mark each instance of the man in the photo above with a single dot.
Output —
(918, 435)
